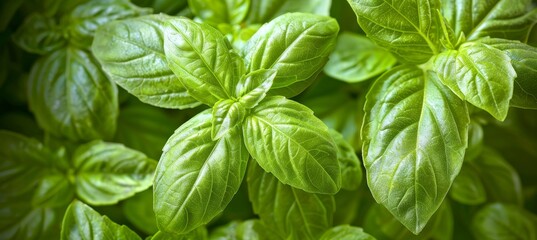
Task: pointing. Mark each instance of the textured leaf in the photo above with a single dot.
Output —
(202, 58)
(479, 74)
(499, 221)
(39, 34)
(406, 28)
(254, 86)
(356, 59)
(20, 221)
(227, 115)
(132, 54)
(82, 222)
(247, 230)
(220, 11)
(71, 97)
(197, 177)
(297, 45)
(196, 234)
(346, 232)
(509, 19)
(350, 165)
(524, 60)
(264, 11)
(84, 20)
(109, 172)
(290, 212)
(414, 137)
(54, 190)
(467, 187)
(289, 142)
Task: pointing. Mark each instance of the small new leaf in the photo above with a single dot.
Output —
(254, 86)
(39, 34)
(227, 115)
(109, 172)
(479, 74)
(82, 222)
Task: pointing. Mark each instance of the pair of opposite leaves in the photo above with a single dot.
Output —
(177, 63)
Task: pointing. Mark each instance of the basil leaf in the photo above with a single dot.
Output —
(71, 97)
(346, 232)
(254, 86)
(20, 221)
(196, 177)
(501, 180)
(356, 59)
(414, 137)
(84, 20)
(227, 115)
(238, 230)
(220, 11)
(296, 45)
(53, 190)
(499, 221)
(350, 165)
(524, 60)
(264, 11)
(109, 172)
(509, 19)
(82, 222)
(202, 58)
(282, 208)
(24, 162)
(408, 29)
(144, 128)
(479, 74)
(39, 34)
(132, 54)
(138, 209)
(467, 187)
(171, 7)
(289, 142)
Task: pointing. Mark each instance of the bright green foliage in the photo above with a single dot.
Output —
(82, 222)
(346, 232)
(500, 221)
(356, 59)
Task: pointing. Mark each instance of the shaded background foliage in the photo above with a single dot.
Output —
(47, 61)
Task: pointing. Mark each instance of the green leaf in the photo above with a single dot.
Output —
(524, 60)
(144, 128)
(54, 190)
(346, 232)
(109, 172)
(479, 74)
(196, 234)
(509, 19)
(82, 222)
(414, 138)
(289, 142)
(20, 221)
(132, 54)
(84, 20)
(247, 230)
(467, 187)
(266, 10)
(283, 208)
(297, 45)
(227, 115)
(71, 97)
(202, 58)
(350, 165)
(501, 180)
(500, 221)
(408, 29)
(220, 11)
(39, 34)
(197, 177)
(138, 209)
(24, 162)
(254, 86)
(356, 59)
(171, 7)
